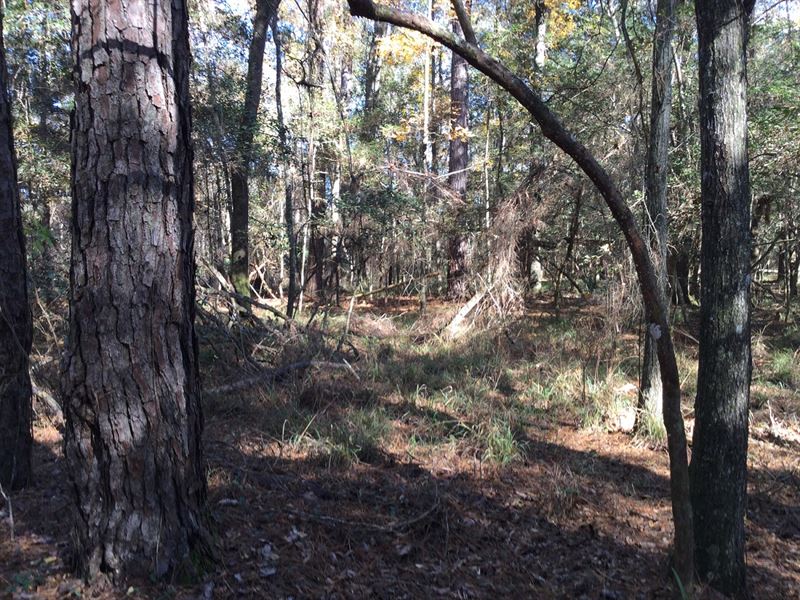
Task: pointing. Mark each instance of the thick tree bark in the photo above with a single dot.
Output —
(15, 316)
(130, 384)
(719, 452)
(458, 243)
(655, 310)
(240, 171)
(656, 170)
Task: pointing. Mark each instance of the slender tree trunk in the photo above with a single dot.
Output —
(15, 316)
(541, 12)
(47, 267)
(316, 186)
(427, 166)
(719, 452)
(372, 71)
(304, 250)
(288, 207)
(565, 265)
(793, 264)
(130, 380)
(458, 245)
(501, 149)
(319, 249)
(240, 170)
(487, 190)
(656, 171)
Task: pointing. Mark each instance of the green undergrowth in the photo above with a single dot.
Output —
(483, 396)
(783, 368)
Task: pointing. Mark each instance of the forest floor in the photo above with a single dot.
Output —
(492, 466)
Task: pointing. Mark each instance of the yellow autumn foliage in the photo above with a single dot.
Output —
(560, 18)
(399, 133)
(460, 133)
(402, 47)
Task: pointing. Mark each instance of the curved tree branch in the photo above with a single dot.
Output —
(654, 305)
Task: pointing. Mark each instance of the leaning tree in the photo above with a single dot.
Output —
(15, 316)
(655, 310)
(130, 381)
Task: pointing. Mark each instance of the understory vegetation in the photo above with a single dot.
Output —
(399, 462)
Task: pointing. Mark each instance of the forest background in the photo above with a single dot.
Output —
(433, 233)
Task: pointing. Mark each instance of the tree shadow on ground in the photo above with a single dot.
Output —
(463, 534)
(287, 525)
(401, 531)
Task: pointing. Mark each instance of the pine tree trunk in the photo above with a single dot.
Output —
(319, 247)
(130, 385)
(15, 316)
(651, 394)
(719, 456)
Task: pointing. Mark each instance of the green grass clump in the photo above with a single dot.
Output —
(783, 368)
(650, 429)
(502, 444)
(359, 438)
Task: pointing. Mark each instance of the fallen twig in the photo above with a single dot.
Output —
(230, 291)
(403, 283)
(687, 335)
(454, 327)
(274, 375)
(391, 528)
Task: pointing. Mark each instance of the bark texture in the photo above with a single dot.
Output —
(15, 315)
(719, 452)
(656, 171)
(655, 311)
(130, 385)
(240, 171)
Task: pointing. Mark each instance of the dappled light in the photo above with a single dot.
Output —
(379, 298)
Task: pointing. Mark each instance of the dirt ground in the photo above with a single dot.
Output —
(566, 511)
